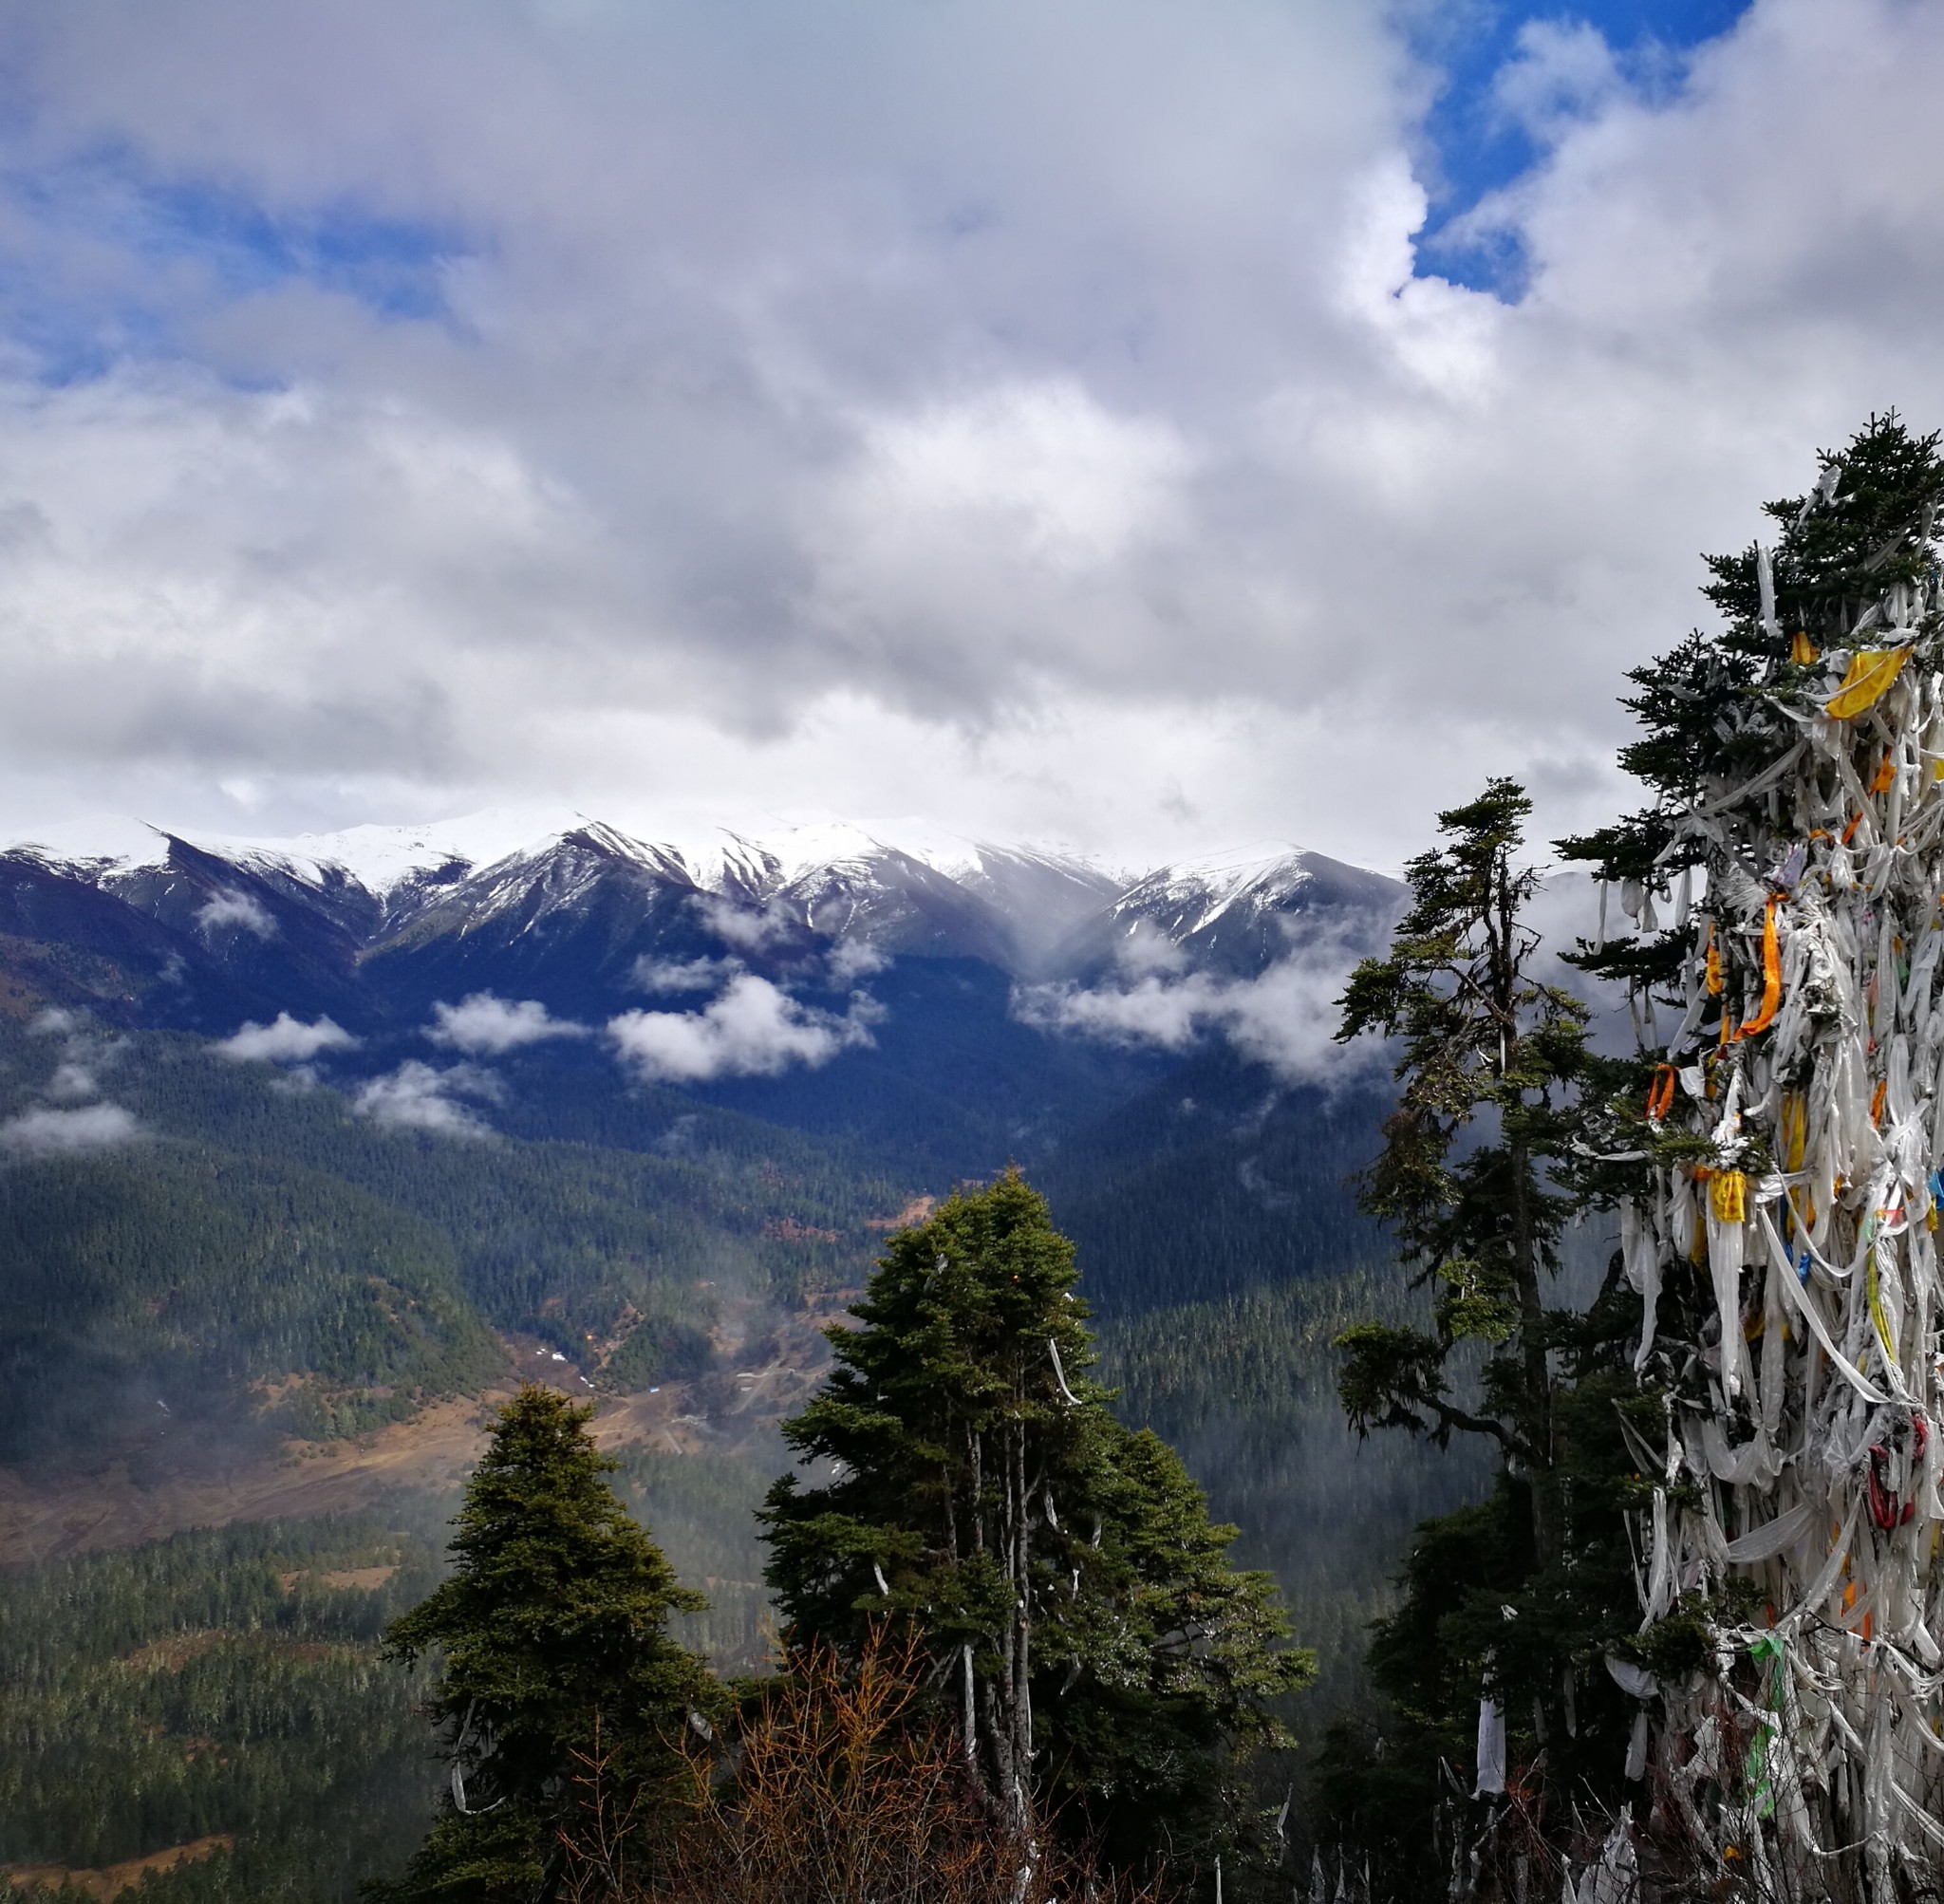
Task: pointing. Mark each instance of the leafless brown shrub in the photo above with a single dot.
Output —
(835, 1791)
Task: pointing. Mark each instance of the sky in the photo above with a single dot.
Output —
(1143, 425)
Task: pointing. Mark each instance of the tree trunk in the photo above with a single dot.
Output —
(1538, 1425)
(1539, 1411)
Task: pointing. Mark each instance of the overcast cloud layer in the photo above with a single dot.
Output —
(1026, 417)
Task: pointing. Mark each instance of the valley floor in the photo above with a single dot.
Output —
(48, 1516)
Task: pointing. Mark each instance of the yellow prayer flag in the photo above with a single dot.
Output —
(1871, 671)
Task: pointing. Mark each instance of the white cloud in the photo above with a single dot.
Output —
(76, 1077)
(683, 974)
(1562, 72)
(752, 1030)
(229, 907)
(1024, 414)
(47, 1133)
(71, 1082)
(417, 1096)
(285, 1040)
(748, 929)
(853, 958)
(484, 1026)
(1285, 1019)
(1146, 951)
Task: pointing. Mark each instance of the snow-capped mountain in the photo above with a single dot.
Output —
(374, 923)
(1233, 913)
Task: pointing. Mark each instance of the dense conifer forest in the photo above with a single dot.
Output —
(220, 1689)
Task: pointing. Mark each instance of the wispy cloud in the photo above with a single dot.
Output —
(753, 1029)
(483, 1025)
(46, 1131)
(853, 958)
(285, 1040)
(417, 1096)
(1285, 1019)
(84, 1055)
(239, 909)
(684, 974)
(72, 1081)
(748, 929)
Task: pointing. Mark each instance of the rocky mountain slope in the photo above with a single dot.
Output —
(150, 927)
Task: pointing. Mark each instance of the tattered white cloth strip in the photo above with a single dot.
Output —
(1491, 1748)
(1824, 1583)
(1768, 777)
(1786, 1276)
(1766, 1542)
(1633, 1680)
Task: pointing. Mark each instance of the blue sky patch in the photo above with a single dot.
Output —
(181, 249)
(1477, 145)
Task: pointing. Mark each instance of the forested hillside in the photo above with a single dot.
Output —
(1245, 1388)
(261, 1254)
(221, 1692)
(1216, 1178)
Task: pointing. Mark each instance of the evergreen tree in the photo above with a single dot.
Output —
(1087, 1636)
(550, 1635)
(1481, 1038)
(1510, 1602)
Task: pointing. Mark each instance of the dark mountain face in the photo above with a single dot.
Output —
(586, 916)
(270, 934)
(859, 992)
(572, 925)
(66, 943)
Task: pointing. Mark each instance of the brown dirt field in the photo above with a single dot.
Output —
(363, 1578)
(112, 1879)
(917, 1211)
(176, 1650)
(43, 1519)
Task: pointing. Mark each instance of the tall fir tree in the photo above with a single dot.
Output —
(1509, 1603)
(1483, 1041)
(1100, 1657)
(551, 1644)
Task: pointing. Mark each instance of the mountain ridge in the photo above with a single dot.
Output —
(327, 923)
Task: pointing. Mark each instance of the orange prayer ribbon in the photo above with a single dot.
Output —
(1772, 977)
(1660, 1095)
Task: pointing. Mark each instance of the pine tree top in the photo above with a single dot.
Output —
(1718, 707)
(958, 1301)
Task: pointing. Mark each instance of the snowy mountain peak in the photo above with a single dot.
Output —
(539, 876)
(1189, 895)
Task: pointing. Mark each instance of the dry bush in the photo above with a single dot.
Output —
(838, 1791)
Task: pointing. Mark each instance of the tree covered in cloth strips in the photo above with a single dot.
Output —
(1101, 1660)
(1777, 1153)
(550, 1636)
(1497, 1648)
